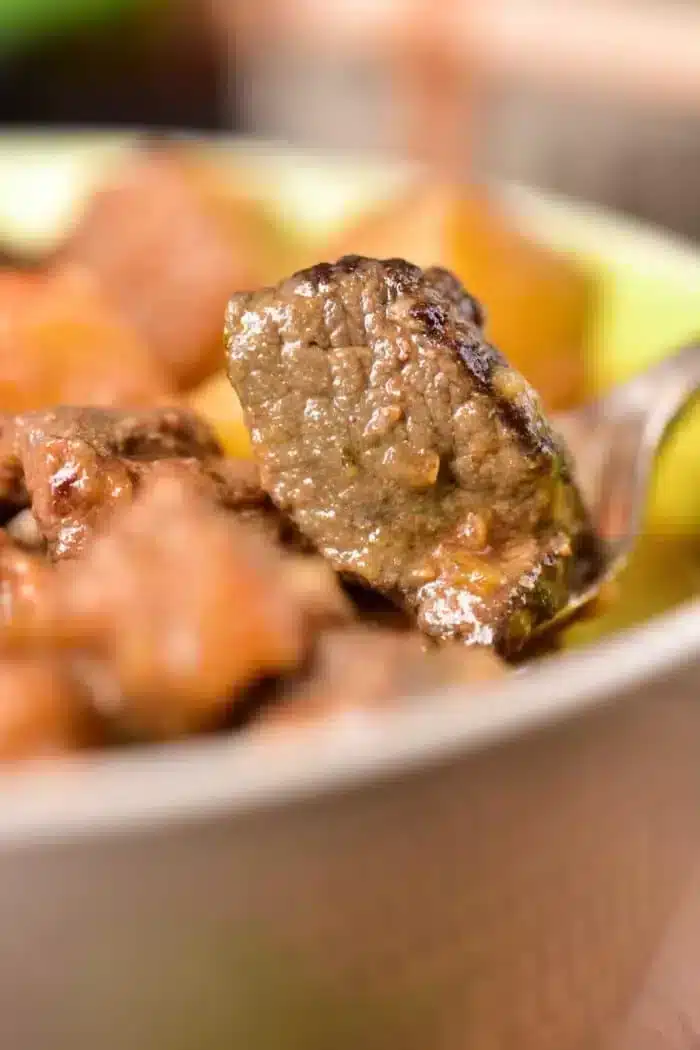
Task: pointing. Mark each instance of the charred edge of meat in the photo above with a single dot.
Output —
(375, 607)
(145, 434)
(467, 306)
(457, 327)
(173, 433)
(537, 599)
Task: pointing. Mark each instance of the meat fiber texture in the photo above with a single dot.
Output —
(405, 448)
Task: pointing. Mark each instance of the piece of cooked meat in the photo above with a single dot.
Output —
(406, 449)
(24, 530)
(44, 709)
(25, 583)
(234, 485)
(365, 668)
(445, 283)
(162, 262)
(13, 491)
(179, 608)
(75, 465)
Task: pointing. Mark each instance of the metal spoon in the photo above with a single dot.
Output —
(615, 442)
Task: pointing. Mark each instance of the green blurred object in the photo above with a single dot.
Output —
(24, 21)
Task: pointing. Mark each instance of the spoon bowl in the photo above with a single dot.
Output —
(615, 441)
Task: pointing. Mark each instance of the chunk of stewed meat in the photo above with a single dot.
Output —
(467, 307)
(405, 448)
(26, 583)
(234, 485)
(44, 709)
(13, 491)
(24, 529)
(356, 669)
(368, 668)
(75, 466)
(181, 608)
(162, 262)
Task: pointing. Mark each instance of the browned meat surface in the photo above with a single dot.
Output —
(194, 606)
(361, 668)
(162, 261)
(24, 529)
(405, 448)
(233, 484)
(75, 466)
(466, 307)
(179, 608)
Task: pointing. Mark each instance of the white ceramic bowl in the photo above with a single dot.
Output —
(480, 872)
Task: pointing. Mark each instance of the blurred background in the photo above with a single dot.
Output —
(596, 98)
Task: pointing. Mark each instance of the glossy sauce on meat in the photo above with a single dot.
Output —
(74, 466)
(408, 497)
(405, 448)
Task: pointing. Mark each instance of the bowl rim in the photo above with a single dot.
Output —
(161, 785)
(118, 792)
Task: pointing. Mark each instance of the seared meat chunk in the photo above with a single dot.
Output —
(24, 529)
(75, 466)
(233, 484)
(175, 622)
(467, 308)
(406, 449)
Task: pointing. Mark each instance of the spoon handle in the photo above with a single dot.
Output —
(658, 395)
(633, 422)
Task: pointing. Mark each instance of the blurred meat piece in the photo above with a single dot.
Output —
(60, 343)
(44, 710)
(74, 466)
(367, 668)
(25, 583)
(316, 588)
(252, 232)
(353, 669)
(24, 529)
(538, 302)
(232, 484)
(166, 260)
(185, 608)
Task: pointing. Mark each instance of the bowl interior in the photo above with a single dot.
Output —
(650, 302)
